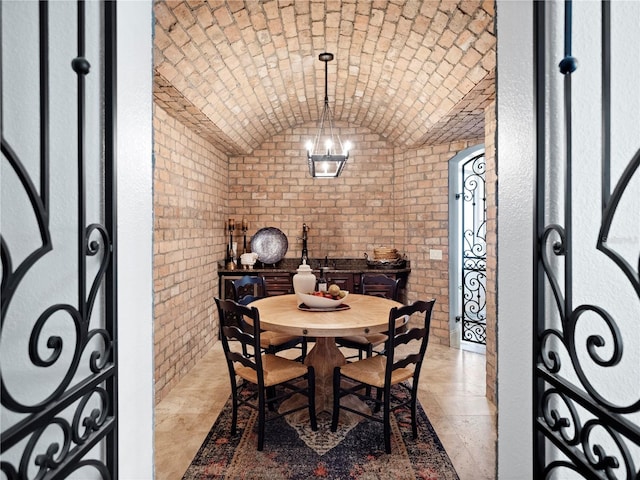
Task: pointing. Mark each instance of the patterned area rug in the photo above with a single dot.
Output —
(297, 453)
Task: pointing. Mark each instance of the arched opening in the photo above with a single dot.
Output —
(468, 247)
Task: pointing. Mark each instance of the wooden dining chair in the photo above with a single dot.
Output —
(268, 378)
(380, 286)
(248, 288)
(251, 287)
(382, 372)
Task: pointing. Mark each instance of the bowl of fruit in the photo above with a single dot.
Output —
(332, 298)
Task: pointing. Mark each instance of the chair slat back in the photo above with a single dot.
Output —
(379, 285)
(235, 333)
(247, 333)
(248, 288)
(419, 333)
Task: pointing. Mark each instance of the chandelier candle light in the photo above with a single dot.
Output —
(324, 161)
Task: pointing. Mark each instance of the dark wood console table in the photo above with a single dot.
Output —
(344, 272)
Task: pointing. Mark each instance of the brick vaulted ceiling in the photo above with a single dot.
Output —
(237, 72)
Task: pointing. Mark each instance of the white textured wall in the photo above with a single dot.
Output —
(135, 228)
(515, 162)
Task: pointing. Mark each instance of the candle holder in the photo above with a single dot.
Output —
(231, 265)
(244, 234)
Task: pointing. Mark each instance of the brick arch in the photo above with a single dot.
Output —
(243, 72)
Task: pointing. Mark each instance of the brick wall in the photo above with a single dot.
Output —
(385, 196)
(190, 185)
(425, 203)
(492, 251)
(346, 216)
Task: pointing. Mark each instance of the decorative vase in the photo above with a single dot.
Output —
(304, 281)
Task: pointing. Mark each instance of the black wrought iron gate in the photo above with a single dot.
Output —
(587, 283)
(474, 250)
(58, 292)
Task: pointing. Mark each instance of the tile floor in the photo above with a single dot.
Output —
(451, 393)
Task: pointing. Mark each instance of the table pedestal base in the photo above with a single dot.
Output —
(324, 357)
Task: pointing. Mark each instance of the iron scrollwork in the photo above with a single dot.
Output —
(609, 214)
(474, 251)
(51, 437)
(581, 428)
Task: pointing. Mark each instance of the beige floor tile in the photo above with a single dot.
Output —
(464, 461)
(178, 438)
(465, 405)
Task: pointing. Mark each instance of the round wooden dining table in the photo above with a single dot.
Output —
(366, 314)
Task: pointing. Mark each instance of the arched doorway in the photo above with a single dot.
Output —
(467, 242)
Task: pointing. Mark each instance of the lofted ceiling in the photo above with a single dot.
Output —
(415, 72)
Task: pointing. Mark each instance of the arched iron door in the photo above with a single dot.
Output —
(58, 247)
(587, 226)
(474, 250)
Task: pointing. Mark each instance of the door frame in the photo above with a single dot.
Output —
(455, 246)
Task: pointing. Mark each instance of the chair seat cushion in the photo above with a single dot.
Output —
(371, 371)
(374, 339)
(276, 370)
(268, 338)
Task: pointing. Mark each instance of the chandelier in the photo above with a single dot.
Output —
(322, 154)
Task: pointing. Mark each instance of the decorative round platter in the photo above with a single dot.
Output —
(270, 244)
